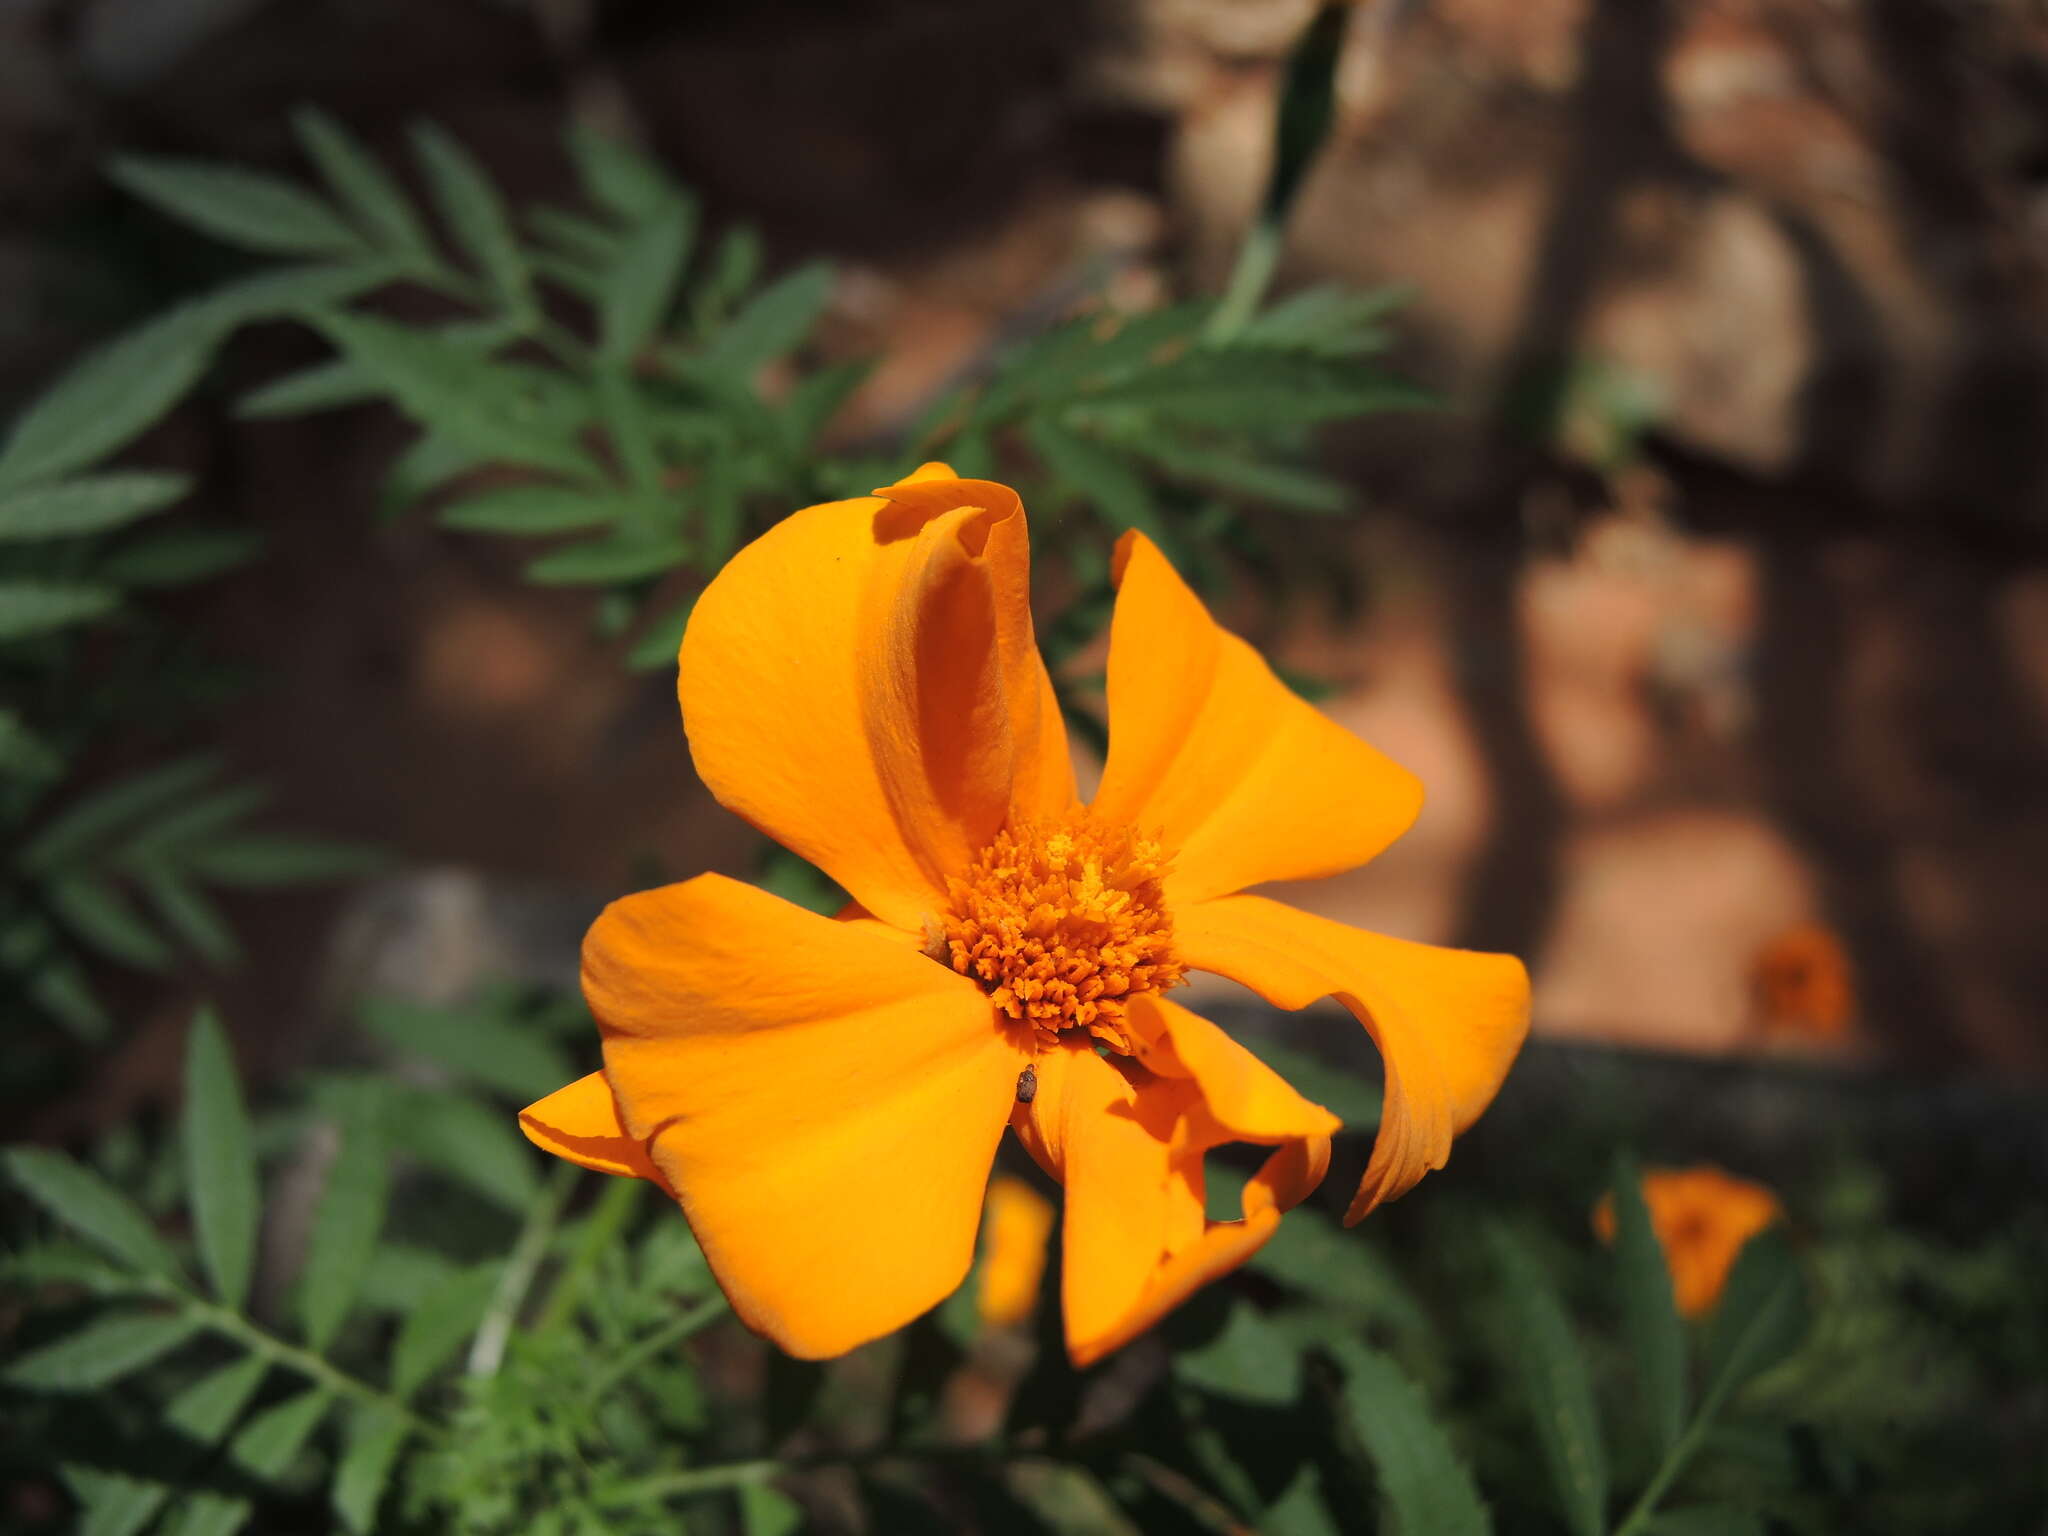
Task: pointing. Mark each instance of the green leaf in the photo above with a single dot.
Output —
(193, 822)
(323, 387)
(24, 754)
(1423, 1481)
(493, 410)
(437, 1327)
(112, 394)
(1099, 478)
(351, 1218)
(640, 287)
(617, 176)
(375, 1436)
(207, 1409)
(1544, 1355)
(100, 916)
(474, 1044)
(86, 1203)
(102, 813)
(1247, 391)
(1652, 1326)
(1301, 1510)
(38, 607)
(768, 1511)
(534, 510)
(775, 321)
(1307, 105)
(1761, 1317)
(1329, 319)
(188, 913)
(365, 188)
(475, 214)
(220, 1161)
(617, 558)
(262, 861)
(662, 639)
(243, 208)
(265, 1448)
(115, 1504)
(1280, 485)
(177, 557)
(1250, 1360)
(92, 504)
(102, 1352)
(474, 1143)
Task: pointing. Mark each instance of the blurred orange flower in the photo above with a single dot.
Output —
(1804, 984)
(1702, 1218)
(1015, 1233)
(824, 1097)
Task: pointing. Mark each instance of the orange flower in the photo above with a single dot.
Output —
(1804, 983)
(824, 1097)
(1018, 1226)
(1702, 1218)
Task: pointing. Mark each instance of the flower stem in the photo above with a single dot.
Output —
(487, 1350)
(1257, 259)
(614, 1208)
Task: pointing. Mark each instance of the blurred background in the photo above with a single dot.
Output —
(1708, 605)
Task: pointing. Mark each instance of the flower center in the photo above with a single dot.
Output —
(1062, 923)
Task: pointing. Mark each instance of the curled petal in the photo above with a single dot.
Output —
(1234, 770)
(580, 1122)
(1448, 1022)
(825, 1102)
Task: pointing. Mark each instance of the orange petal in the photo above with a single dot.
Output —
(581, 1123)
(1127, 1140)
(862, 684)
(1448, 1022)
(1015, 1232)
(825, 1102)
(1208, 748)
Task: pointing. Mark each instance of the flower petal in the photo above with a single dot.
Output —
(1448, 1022)
(1127, 1137)
(581, 1123)
(861, 683)
(1235, 771)
(825, 1102)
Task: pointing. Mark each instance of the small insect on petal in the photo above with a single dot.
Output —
(1027, 1085)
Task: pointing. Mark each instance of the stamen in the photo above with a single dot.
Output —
(1062, 924)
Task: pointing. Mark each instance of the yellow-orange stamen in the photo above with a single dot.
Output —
(1062, 924)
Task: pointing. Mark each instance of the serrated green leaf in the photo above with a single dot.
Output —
(534, 510)
(734, 265)
(1544, 1355)
(60, 988)
(375, 1437)
(244, 208)
(493, 410)
(662, 639)
(1651, 1324)
(1098, 477)
(260, 861)
(112, 394)
(1280, 485)
(286, 292)
(639, 287)
(774, 322)
(1761, 1317)
(193, 822)
(115, 1504)
(475, 214)
(93, 819)
(350, 1219)
(1252, 390)
(220, 1160)
(474, 1044)
(177, 557)
(1250, 1360)
(100, 916)
(207, 1410)
(1424, 1482)
(473, 1143)
(101, 1353)
(265, 1448)
(401, 1274)
(41, 607)
(1330, 319)
(438, 1326)
(90, 504)
(365, 188)
(187, 912)
(325, 386)
(617, 176)
(613, 559)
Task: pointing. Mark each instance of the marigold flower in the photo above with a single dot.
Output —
(1702, 1218)
(1016, 1230)
(1804, 983)
(824, 1097)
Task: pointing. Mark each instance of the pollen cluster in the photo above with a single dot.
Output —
(1062, 924)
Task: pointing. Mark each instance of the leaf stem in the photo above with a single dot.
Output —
(667, 1336)
(260, 1341)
